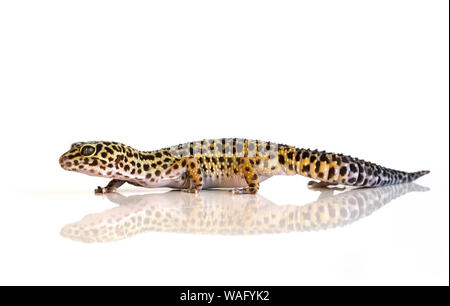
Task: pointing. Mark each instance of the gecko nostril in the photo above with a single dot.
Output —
(62, 159)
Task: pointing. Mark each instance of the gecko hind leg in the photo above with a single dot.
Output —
(320, 185)
(251, 177)
(194, 174)
(111, 187)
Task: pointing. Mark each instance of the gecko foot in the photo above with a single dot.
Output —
(243, 191)
(194, 191)
(321, 185)
(103, 190)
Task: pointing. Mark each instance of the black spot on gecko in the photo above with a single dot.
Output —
(324, 158)
(360, 168)
(317, 167)
(360, 178)
(98, 147)
(297, 156)
(331, 173)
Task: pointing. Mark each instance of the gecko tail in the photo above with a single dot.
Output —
(415, 175)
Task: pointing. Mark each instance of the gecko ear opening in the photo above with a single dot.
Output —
(87, 150)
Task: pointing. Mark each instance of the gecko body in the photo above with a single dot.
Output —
(240, 164)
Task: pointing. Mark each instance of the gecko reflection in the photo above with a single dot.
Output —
(219, 212)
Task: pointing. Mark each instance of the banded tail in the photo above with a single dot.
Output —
(341, 169)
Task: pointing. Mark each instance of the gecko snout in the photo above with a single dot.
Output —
(62, 159)
(65, 162)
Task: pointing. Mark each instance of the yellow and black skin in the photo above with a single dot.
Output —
(235, 163)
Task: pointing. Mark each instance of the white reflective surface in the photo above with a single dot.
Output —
(223, 213)
(390, 235)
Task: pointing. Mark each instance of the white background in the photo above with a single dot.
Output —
(366, 78)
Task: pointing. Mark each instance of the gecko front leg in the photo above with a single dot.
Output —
(111, 187)
(190, 166)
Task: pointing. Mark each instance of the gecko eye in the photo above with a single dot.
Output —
(87, 150)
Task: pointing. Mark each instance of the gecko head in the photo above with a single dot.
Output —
(96, 158)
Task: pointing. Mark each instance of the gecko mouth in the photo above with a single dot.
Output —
(75, 164)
